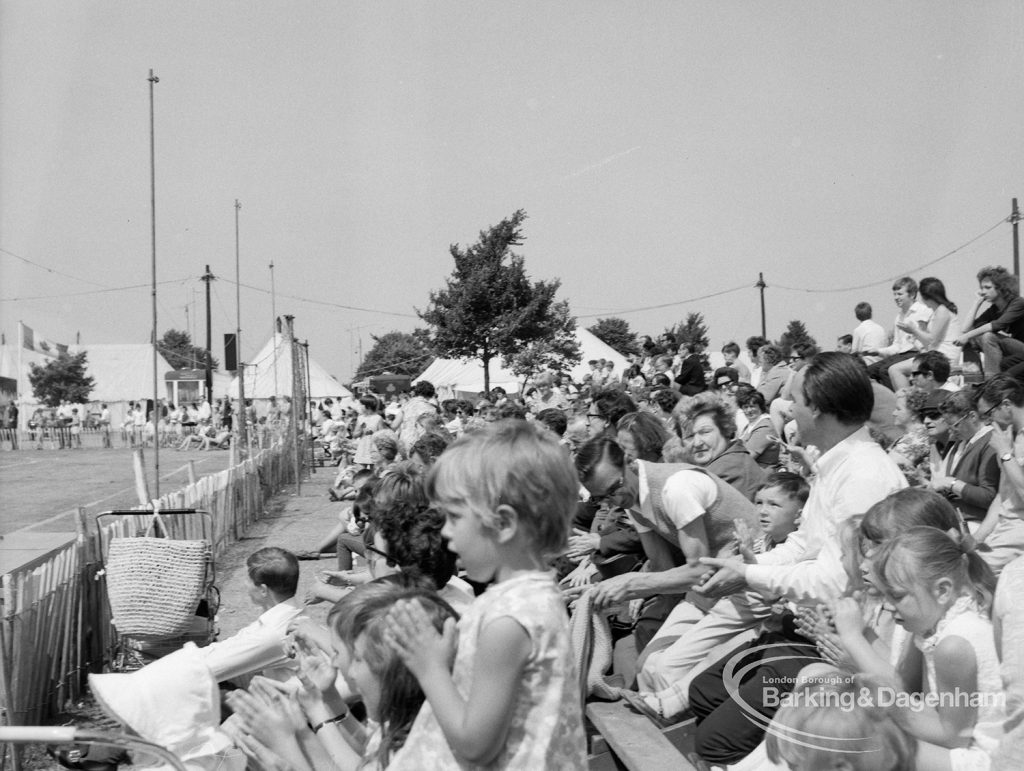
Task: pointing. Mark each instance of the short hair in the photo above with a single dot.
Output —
(959, 402)
(386, 444)
(731, 347)
(430, 446)
(845, 339)
(915, 399)
(370, 402)
(554, 419)
(934, 362)
(806, 349)
(511, 463)
(425, 389)
(711, 404)
(755, 342)
(512, 409)
(666, 399)
(661, 380)
(905, 283)
(592, 451)
(837, 384)
(648, 432)
(771, 353)
(275, 568)
(793, 485)
(862, 311)
(746, 395)
(1005, 282)
(611, 404)
(1000, 387)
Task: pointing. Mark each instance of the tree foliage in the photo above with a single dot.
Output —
(62, 378)
(402, 353)
(558, 350)
(616, 333)
(489, 307)
(176, 346)
(796, 332)
(692, 331)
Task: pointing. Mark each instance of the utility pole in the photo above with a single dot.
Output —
(762, 286)
(309, 387)
(1014, 219)
(207, 278)
(153, 79)
(298, 402)
(273, 328)
(243, 434)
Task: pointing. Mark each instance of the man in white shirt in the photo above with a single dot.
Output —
(260, 646)
(910, 312)
(869, 335)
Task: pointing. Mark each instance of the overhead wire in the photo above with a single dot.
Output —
(94, 291)
(35, 264)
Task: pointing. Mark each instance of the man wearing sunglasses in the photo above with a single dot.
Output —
(969, 476)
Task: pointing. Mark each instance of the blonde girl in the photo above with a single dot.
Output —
(511, 700)
(940, 590)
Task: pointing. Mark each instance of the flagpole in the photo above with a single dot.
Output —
(152, 201)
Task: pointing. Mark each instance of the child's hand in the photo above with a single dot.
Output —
(831, 649)
(744, 540)
(847, 616)
(420, 646)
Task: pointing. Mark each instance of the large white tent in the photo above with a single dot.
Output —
(270, 374)
(466, 376)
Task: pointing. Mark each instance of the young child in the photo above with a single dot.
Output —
(940, 590)
(779, 502)
(512, 698)
(824, 724)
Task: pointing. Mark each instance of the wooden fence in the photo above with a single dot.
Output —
(55, 620)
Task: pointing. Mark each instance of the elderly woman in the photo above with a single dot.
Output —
(707, 428)
(758, 436)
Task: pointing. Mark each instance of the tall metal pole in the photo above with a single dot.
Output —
(273, 327)
(1014, 219)
(152, 207)
(243, 434)
(207, 278)
(309, 387)
(761, 286)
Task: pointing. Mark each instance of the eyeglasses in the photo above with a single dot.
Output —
(613, 488)
(987, 414)
(952, 425)
(931, 414)
(916, 373)
(591, 416)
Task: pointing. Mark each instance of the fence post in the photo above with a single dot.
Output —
(141, 484)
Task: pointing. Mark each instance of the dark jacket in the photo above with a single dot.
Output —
(691, 376)
(979, 470)
(737, 467)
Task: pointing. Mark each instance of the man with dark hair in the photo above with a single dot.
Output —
(553, 419)
(931, 372)
(754, 344)
(844, 344)
(969, 475)
(274, 574)
(731, 355)
(1001, 401)
(910, 313)
(869, 335)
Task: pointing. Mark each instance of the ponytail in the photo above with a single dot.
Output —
(981, 581)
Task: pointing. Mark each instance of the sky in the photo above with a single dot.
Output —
(663, 151)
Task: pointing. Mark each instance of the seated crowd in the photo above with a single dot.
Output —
(812, 555)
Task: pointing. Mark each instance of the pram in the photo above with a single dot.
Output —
(159, 577)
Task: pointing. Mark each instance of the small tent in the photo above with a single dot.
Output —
(466, 376)
(270, 373)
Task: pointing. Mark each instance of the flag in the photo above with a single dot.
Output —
(40, 344)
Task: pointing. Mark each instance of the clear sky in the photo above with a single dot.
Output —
(663, 151)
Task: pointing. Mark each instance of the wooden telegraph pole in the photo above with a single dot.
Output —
(762, 286)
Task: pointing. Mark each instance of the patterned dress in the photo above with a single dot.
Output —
(546, 730)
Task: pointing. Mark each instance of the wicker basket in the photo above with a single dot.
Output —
(155, 584)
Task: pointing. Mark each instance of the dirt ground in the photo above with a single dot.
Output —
(294, 522)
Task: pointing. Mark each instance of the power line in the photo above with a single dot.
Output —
(92, 291)
(669, 305)
(901, 273)
(324, 302)
(34, 264)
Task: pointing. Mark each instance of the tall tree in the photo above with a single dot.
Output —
(796, 332)
(616, 333)
(557, 350)
(62, 378)
(176, 346)
(403, 353)
(692, 330)
(489, 307)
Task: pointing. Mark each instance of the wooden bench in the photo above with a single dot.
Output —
(631, 741)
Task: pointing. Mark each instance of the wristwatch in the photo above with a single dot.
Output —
(1005, 457)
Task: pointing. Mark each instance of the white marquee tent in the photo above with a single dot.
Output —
(466, 376)
(263, 379)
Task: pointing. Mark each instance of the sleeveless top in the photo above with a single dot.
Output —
(728, 506)
(964, 619)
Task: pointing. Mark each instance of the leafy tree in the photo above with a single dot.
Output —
(692, 331)
(796, 332)
(176, 346)
(557, 350)
(616, 333)
(489, 307)
(61, 378)
(402, 353)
